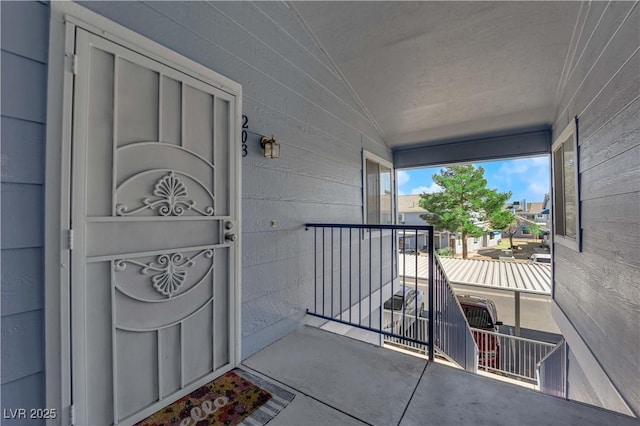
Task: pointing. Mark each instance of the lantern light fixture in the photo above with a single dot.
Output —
(270, 146)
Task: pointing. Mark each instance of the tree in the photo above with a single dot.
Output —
(510, 224)
(502, 220)
(534, 228)
(463, 203)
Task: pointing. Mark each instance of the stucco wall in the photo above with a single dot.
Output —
(290, 90)
(598, 288)
(25, 38)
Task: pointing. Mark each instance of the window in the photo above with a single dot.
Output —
(378, 190)
(477, 317)
(566, 205)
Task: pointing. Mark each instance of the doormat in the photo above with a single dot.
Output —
(234, 398)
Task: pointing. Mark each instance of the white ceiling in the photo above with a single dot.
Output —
(427, 71)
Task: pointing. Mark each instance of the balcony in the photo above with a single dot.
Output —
(357, 270)
(341, 381)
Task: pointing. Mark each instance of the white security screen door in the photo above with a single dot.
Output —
(154, 227)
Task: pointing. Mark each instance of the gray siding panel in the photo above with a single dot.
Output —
(292, 215)
(25, 29)
(23, 393)
(291, 131)
(618, 93)
(22, 151)
(292, 272)
(254, 342)
(25, 43)
(24, 88)
(22, 280)
(265, 184)
(598, 287)
(595, 12)
(619, 175)
(22, 345)
(22, 216)
(617, 137)
(582, 73)
(291, 91)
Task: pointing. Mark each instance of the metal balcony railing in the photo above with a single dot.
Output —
(512, 356)
(357, 282)
(551, 373)
(453, 336)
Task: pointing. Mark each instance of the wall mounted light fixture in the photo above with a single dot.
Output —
(271, 147)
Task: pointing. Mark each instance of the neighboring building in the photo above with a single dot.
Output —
(90, 89)
(531, 213)
(409, 212)
(546, 213)
(534, 213)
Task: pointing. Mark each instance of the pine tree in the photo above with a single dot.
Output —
(464, 202)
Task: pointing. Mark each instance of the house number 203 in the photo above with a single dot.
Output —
(245, 126)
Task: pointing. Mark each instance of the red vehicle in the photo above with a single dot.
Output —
(482, 314)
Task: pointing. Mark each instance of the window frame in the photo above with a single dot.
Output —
(568, 135)
(369, 156)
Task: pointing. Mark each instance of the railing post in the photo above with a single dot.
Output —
(431, 295)
(516, 302)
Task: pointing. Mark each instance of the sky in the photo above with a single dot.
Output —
(526, 178)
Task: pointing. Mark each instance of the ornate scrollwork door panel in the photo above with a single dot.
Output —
(151, 280)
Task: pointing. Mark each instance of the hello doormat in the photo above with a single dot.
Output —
(236, 397)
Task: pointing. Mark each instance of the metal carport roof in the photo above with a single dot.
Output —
(502, 275)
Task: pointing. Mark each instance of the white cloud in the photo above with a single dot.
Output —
(540, 161)
(515, 167)
(403, 177)
(537, 189)
(426, 189)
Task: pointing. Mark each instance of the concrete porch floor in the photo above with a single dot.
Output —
(341, 381)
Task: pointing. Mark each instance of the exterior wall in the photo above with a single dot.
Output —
(292, 91)
(472, 244)
(579, 388)
(597, 288)
(25, 41)
(413, 219)
(443, 242)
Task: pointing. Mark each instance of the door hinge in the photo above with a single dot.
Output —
(70, 239)
(73, 62)
(72, 415)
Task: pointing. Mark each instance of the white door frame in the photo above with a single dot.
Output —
(65, 17)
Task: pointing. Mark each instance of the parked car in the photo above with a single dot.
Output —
(408, 251)
(395, 318)
(482, 314)
(539, 258)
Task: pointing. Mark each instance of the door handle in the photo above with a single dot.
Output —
(230, 237)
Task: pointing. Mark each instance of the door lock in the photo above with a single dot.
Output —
(228, 225)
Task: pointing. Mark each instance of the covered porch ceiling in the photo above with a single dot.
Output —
(427, 72)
